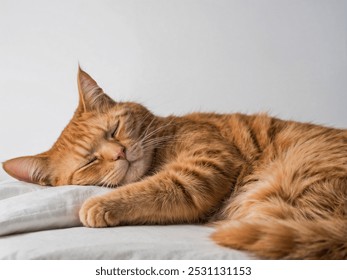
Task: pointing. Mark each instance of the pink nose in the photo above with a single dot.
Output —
(111, 151)
(120, 154)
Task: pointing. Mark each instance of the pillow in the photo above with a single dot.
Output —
(27, 207)
(10, 188)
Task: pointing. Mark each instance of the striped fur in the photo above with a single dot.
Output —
(275, 188)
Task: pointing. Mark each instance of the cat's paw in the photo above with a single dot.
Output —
(96, 212)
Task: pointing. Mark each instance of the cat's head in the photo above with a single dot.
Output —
(105, 143)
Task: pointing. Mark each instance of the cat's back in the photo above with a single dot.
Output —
(251, 134)
(258, 133)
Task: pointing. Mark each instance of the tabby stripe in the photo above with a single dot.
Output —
(68, 141)
(273, 130)
(254, 139)
(246, 136)
(80, 154)
(240, 153)
(212, 165)
(193, 172)
(207, 152)
(81, 144)
(123, 114)
(178, 183)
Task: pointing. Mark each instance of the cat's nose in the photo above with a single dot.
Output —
(119, 154)
(111, 151)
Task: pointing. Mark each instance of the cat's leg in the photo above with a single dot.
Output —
(181, 193)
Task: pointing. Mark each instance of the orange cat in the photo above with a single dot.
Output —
(275, 188)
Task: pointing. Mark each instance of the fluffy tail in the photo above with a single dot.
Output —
(287, 239)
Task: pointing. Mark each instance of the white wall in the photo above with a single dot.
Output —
(175, 56)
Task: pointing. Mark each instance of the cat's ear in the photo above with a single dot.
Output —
(31, 169)
(92, 97)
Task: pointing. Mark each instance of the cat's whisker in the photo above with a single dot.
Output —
(153, 141)
(156, 130)
(143, 135)
(148, 126)
(157, 146)
(145, 117)
(158, 139)
(107, 178)
(154, 144)
(148, 114)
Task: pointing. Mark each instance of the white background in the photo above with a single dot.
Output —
(175, 56)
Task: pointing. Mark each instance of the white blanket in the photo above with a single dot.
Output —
(27, 207)
(42, 223)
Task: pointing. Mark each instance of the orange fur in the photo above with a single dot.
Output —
(276, 188)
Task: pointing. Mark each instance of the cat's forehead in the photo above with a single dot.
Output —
(127, 112)
(103, 120)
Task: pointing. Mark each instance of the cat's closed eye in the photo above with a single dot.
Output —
(115, 130)
(91, 160)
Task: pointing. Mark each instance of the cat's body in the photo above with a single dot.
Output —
(275, 188)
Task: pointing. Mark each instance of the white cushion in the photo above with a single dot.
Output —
(27, 207)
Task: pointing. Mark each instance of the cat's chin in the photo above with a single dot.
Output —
(136, 170)
(121, 172)
(126, 172)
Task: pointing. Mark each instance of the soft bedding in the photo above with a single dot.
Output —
(42, 223)
(26, 207)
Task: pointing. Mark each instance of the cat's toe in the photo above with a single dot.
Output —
(95, 213)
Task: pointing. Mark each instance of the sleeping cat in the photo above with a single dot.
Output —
(275, 188)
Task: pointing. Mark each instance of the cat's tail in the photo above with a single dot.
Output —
(286, 239)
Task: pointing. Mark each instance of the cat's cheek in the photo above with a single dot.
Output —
(96, 213)
(137, 169)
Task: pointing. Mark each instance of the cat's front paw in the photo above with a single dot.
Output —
(96, 212)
